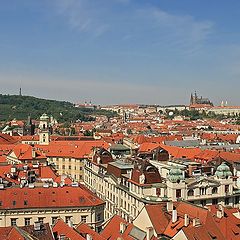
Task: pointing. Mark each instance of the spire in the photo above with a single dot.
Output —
(20, 91)
(191, 99)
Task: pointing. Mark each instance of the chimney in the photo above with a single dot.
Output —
(123, 227)
(89, 237)
(169, 206)
(186, 220)
(70, 223)
(33, 153)
(62, 237)
(196, 222)
(174, 215)
(37, 226)
(150, 232)
(220, 211)
(219, 214)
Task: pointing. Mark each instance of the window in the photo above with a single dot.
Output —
(203, 202)
(214, 190)
(80, 168)
(226, 188)
(190, 192)
(54, 219)
(236, 200)
(99, 218)
(41, 220)
(68, 219)
(13, 221)
(178, 193)
(0, 203)
(203, 190)
(14, 203)
(214, 201)
(63, 166)
(27, 221)
(226, 201)
(25, 202)
(69, 167)
(84, 219)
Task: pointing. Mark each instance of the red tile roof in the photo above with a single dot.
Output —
(7, 139)
(23, 152)
(112, 229)
(61, 228)
(158, 217)
(47, 197)
(84, 229)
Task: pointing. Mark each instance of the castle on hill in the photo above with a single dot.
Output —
(195, 100)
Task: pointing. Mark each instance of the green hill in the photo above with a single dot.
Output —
(20, 107)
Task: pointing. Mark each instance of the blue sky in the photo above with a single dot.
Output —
(121, 51)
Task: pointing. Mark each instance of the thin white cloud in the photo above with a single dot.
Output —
(100, 17)
(81, 15)
(178, 31)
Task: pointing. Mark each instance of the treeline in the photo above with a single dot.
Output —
(20, 107)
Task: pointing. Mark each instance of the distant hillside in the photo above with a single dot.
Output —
(20, 107)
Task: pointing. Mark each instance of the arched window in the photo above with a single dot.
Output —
(190, 192)
(214, 190)
(44, 126)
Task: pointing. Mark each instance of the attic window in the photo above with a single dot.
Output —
(14, 203)
(212, 236)
(82, 199)
(25, 202)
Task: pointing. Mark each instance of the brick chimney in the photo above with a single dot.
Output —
(123, 227)
(196, 222)
(174, 215)
(150, 233)
(33, 152)
(169, 206)
(186, 220)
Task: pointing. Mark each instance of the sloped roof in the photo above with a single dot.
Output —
(84, 229)
(158, 216)
(47, 197)
(60, 227)
(7, 139)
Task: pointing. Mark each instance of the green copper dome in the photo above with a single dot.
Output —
(223, 171)
(175, 174)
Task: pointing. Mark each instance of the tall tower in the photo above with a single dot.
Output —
(44, 132)
(20, 91)
(191, 99)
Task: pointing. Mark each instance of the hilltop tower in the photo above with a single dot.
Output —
(44, 132)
